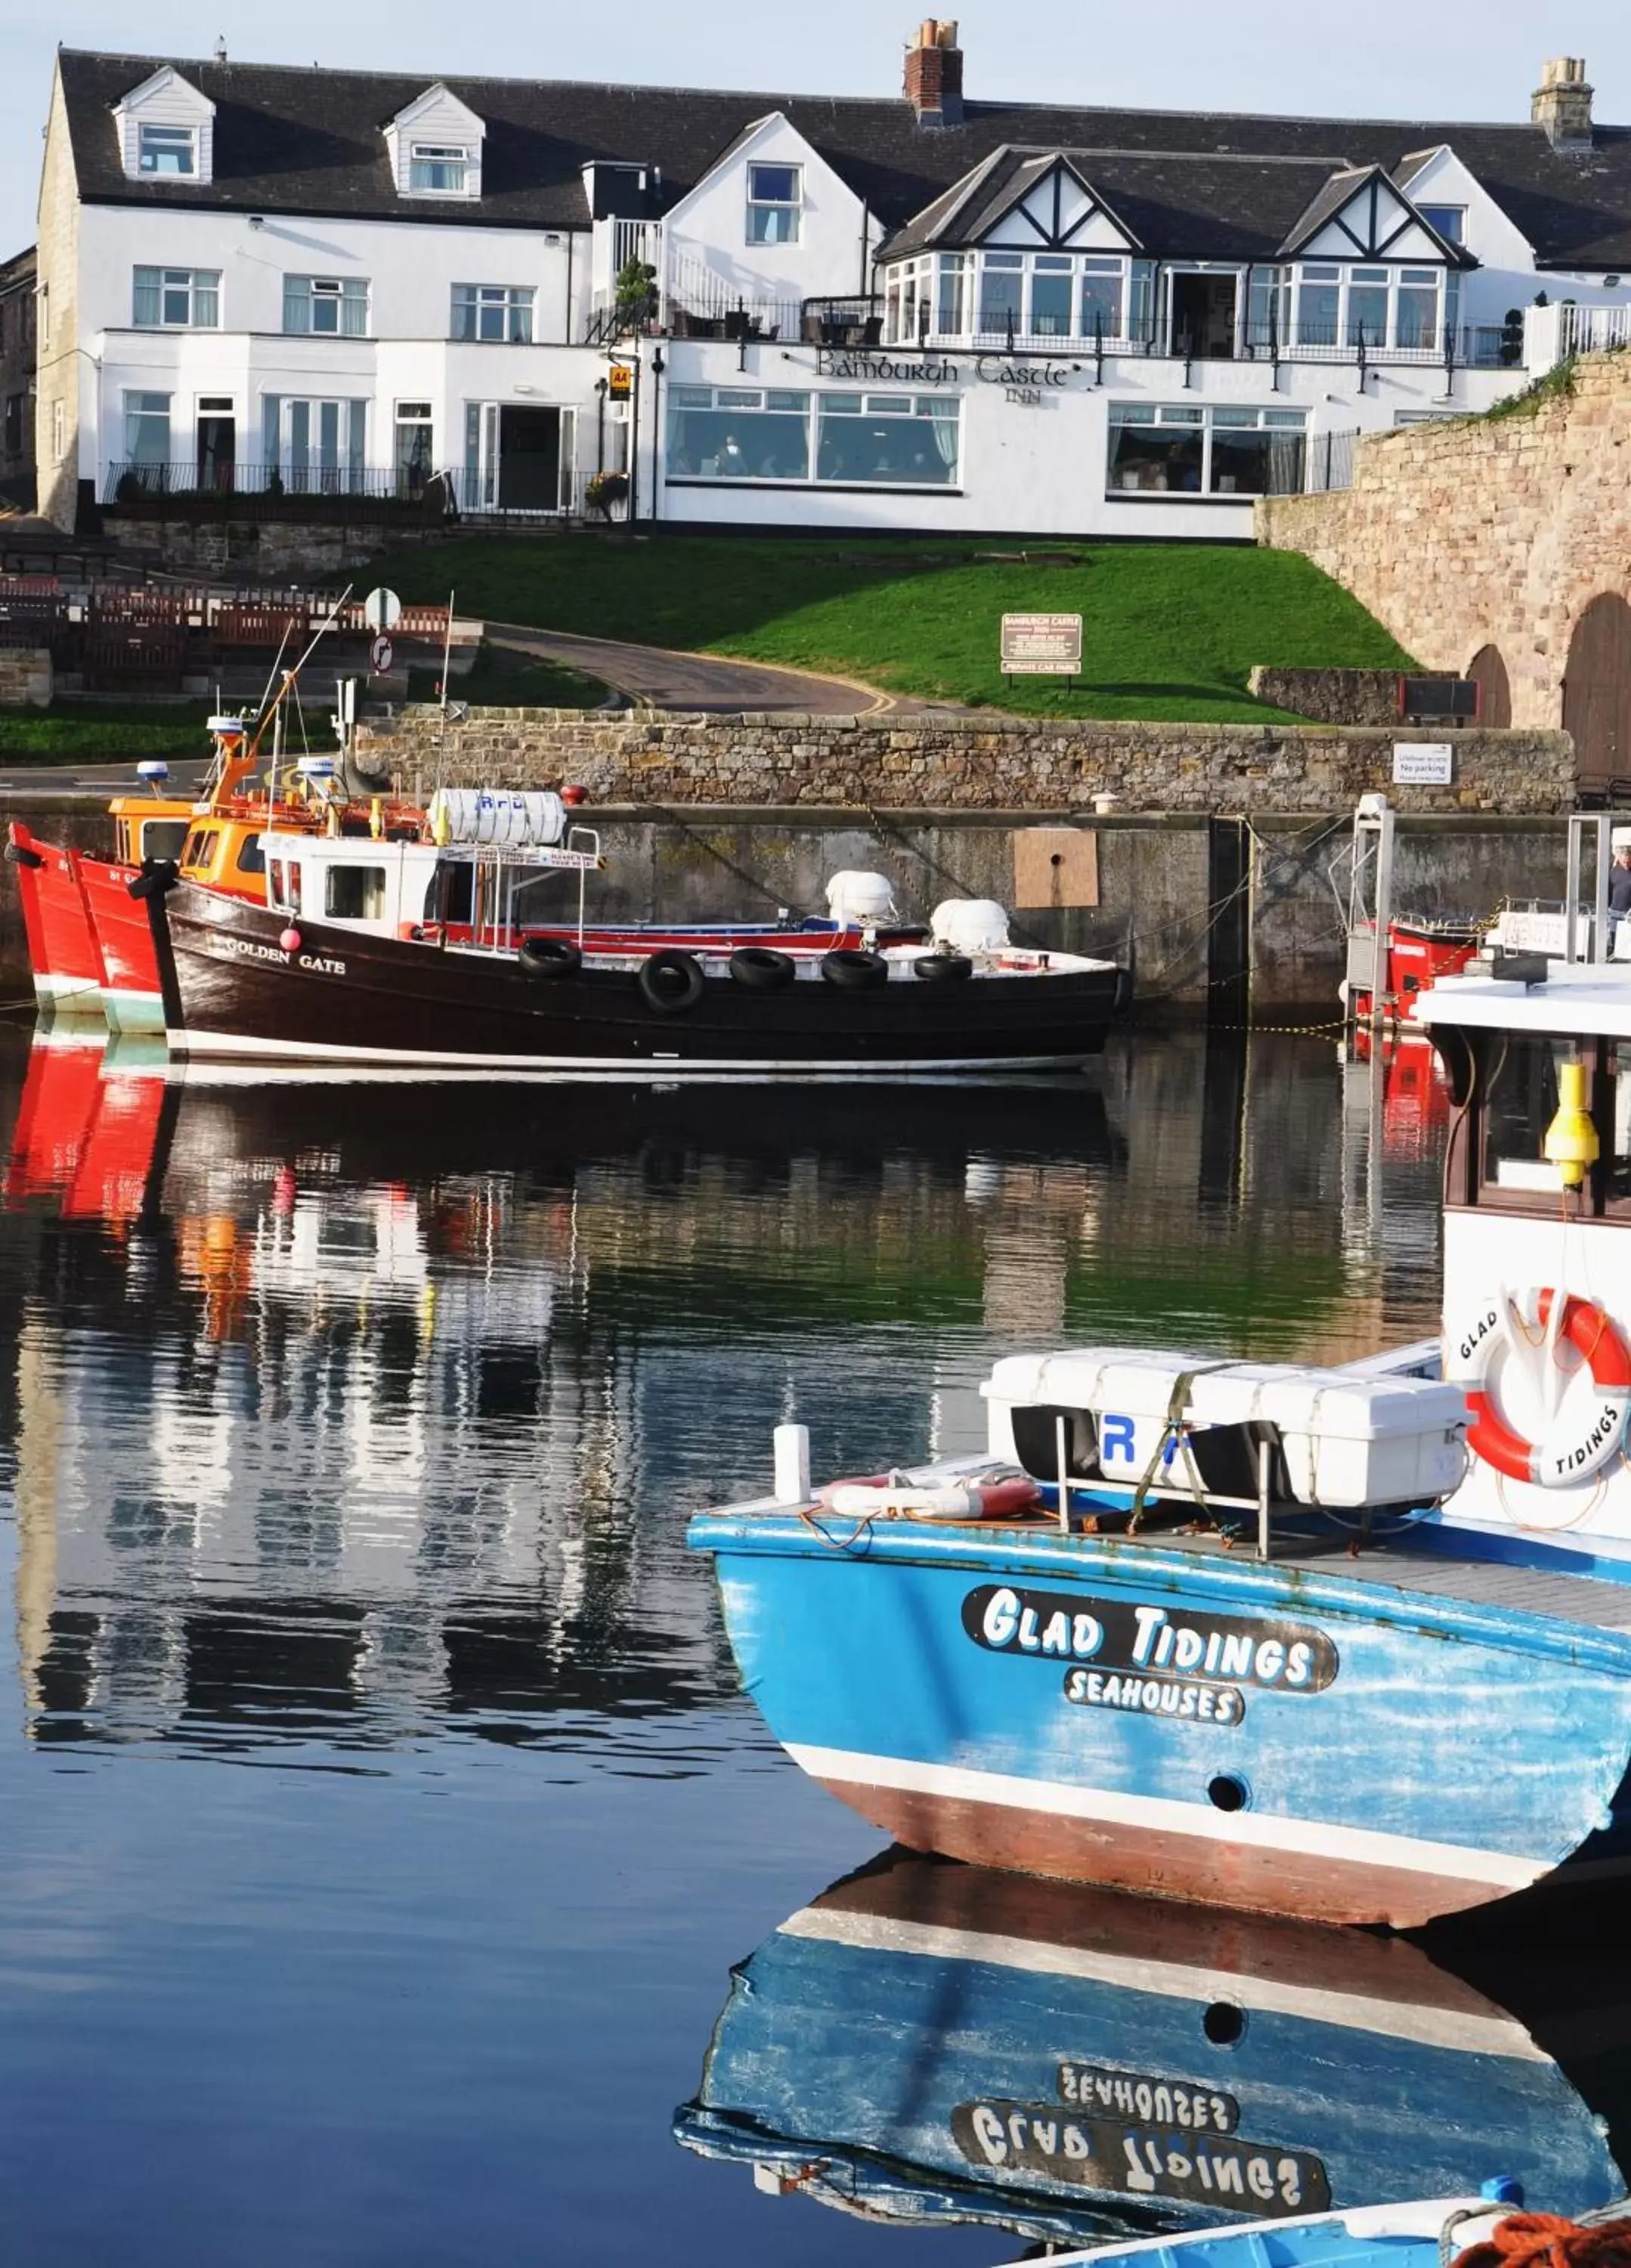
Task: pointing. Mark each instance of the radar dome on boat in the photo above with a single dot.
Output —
(226, 728)
(970, 924)
(152, 768)
(860, 900)
(317, 768)
(535, 817)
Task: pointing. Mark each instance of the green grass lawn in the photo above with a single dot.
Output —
(102, 733)
(1171, 631)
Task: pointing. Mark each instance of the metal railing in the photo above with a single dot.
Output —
(365, 493)
(1473, 346)
(1310, 464)
(137, 482)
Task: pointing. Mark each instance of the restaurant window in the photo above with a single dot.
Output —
(754, 433)
(357, 893)
(1186, 449)
(737, 433)
(891, 438)
(1341, 307)
(774, 204)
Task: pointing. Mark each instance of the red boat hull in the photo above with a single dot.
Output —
(62, 947)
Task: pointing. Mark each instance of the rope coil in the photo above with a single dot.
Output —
(1546, 2239)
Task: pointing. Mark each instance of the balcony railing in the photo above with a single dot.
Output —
(1481, 346)
(369, 494)
(1594, 330)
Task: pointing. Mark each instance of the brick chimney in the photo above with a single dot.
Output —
(1562, 103)
(934, 74)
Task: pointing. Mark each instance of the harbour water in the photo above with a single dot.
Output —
(381, 1821)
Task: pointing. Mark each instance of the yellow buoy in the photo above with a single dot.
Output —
(1571, 1142)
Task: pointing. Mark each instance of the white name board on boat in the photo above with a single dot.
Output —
(1041, 645)
(1424, 764)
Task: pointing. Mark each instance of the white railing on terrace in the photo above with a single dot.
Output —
(1594, 330)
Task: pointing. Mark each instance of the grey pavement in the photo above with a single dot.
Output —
(101, 780)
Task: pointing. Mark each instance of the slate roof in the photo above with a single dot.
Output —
(309, 141)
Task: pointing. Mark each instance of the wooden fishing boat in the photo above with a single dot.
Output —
(933, 2043)
(406, 952)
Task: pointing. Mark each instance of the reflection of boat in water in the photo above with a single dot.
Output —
(933, 2041)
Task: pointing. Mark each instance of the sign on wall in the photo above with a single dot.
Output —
(1422, 763)
(620, 381)
(1041, 645)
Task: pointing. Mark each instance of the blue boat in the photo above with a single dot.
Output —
(1353, 1646)
(1428, 2233)
(937, 2042)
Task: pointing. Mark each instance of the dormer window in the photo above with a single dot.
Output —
(774, 204)
(1448, 221)
(167, 151)
(438, 169)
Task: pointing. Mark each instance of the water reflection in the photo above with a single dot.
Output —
(349, 1429)
(937, 2044)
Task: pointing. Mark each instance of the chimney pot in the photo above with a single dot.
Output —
(934, 74)
(1561, 104)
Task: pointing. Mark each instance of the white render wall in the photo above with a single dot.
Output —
(1037, 469)
(833, 256)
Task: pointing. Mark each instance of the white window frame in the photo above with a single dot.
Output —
(958, 280)
(439, 155)
(1324, 274)
(337, 291)
(170, 139)
(903, 401)
(793, 206)
(195, 283)
(1456, 235)
(507, 301)
(1207, 418)
(133, 394)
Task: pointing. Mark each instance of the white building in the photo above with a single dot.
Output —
(922, 313)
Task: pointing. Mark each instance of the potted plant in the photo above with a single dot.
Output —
(635, 292)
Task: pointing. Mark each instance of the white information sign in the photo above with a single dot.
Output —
(1042, 645)
(1424, 764)
(382, 609)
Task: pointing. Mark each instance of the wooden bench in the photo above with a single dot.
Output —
(135, 656)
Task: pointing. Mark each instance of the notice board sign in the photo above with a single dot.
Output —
(1422, 763)
(1041, 645)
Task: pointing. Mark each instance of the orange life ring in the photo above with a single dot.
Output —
(1566, 1451)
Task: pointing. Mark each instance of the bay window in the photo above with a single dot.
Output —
(1001, 291)
(986, 298)
(952, 301)
(1053, 289)
(1102, 282)
(1338, 307)
(767, 433)
(327, 307)
(177, 299)
(1195, 449)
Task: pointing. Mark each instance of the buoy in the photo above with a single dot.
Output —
(1571, 1142)
(573, 796)
(289, 939)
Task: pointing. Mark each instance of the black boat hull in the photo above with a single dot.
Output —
(233, 989)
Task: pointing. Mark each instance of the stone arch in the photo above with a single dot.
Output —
(1597, 690)
(1487, 669)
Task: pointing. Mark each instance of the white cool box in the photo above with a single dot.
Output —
(1344, 1440)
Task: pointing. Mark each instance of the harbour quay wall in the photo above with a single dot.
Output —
(1485, 539)
(1223, 919)
(964, 763)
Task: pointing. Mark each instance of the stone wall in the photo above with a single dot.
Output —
(1484, 531)
(1331, 696)
(25, 677)
(957, 764)
(271, 551)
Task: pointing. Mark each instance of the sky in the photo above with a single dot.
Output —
(1432, 59)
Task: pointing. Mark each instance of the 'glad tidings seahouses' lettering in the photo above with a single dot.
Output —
(1166, 1644)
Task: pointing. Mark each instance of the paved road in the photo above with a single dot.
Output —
(101, 780)
(694, 680)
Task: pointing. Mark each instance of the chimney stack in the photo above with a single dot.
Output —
(1562, 103)
(934, 74)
